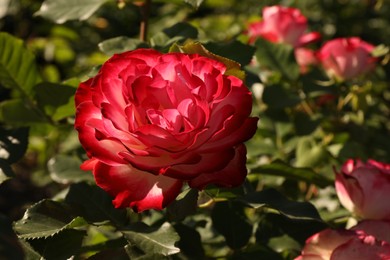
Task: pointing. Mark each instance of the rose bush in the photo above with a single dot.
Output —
(363, 188)
(368, 240)
(151, 122)
(346, 58)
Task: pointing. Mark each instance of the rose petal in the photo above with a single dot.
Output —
(137, 189)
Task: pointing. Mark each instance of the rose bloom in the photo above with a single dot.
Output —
(363, 188)
(151, 122)
(282, 25)
(286, 25)
(346, 58)
(367, 240)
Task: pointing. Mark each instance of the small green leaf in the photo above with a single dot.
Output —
(194, 3)
(270, 198)
(229, 219)
(55, 99)
(191, 47)
(153, 240)
(280, 168)
(120, 44)
(61, 11)
(278, 57)
(46, 218)
(66, 169)
(18, 69)
(94, 204)
(309, 153)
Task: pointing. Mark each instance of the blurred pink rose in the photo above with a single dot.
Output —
(364, 188)
(151, 122)
(282, 25)
(365, 241)
(346, 58)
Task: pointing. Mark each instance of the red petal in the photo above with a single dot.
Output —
(232, 175)
(137, 189)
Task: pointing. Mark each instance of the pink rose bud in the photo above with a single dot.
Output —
(282, 25)
(346, 58)
(356, 244)
(364, 188)
(150, 122)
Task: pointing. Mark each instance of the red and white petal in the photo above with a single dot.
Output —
(136, 189)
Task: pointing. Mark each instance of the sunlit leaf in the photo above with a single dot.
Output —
(280, 168)
(61, 11)
(17, 65)
(46, 218)
(309, 153)
(66, 169)
(153, 240)
(292, 209)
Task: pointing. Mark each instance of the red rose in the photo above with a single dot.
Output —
(346, 58)
(151, 121)
(282, 25)
(363, 188)
(368, 240)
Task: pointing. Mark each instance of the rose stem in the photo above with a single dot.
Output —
(145, 9)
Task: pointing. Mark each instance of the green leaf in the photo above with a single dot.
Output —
(192, 47)
(120, 44)
(190, 243)
(242, 53)
(55, 99)
(13, 143)
(61, 11)
(9, 245)
(6, 171)
(61, 246)
(230, 220)
(18, 112)
(94, 204)
(194, 3)
(66, 169)
(46, 218)
(280, 168)
(309, 153)
(18, 69)
(278, 57)
(153, 240)
(184, 30)
(270, 198)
